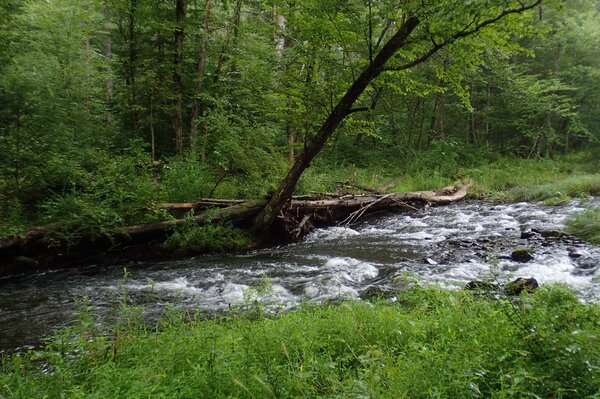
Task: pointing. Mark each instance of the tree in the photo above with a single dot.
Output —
(423, 32)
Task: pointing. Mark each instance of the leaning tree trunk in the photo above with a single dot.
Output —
(343, 108)
(269, 214)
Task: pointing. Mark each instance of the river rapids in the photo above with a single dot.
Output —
(447, 246)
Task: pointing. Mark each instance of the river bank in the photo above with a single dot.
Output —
(544, 345)
(87, 232)
(205, 316)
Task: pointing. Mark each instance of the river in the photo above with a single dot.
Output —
(448, 246)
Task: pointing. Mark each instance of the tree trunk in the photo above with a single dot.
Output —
(177, 76)
(233, 30)
(200, 68)
(18, 152)
(132, 65)
(344, 107)
(108, 83)
(472, 131)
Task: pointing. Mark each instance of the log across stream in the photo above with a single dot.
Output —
(448, 246)
(46, 246)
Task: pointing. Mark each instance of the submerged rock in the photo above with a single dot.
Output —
(522, 255)
(574, 253)
(552, 234)
(527, 234)
(374, 292)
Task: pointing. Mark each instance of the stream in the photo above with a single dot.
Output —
(448, 246)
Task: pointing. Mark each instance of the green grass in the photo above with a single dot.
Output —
(586, 225)
(555, 181)
(429, 344)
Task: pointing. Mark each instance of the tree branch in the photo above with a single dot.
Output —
(463, 33)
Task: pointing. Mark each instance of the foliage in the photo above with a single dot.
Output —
(88, 102)
(191, 238)
(545, 347)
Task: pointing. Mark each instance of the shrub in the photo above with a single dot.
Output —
(191, 238)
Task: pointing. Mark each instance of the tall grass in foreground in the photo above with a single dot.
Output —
(428, 344)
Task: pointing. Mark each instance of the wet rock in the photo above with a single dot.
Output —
(522, 255)
(587, 263)
(521, 284)
(373, 293)
(430, 261)
(527, 234)
(552, 234)
(574, 253)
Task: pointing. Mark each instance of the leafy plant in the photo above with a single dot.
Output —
(191, 238)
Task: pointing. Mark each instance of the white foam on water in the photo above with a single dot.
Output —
(225, 294)
(339, 277)
(180, 284)
(331, 233)
(329, 290)
(555, 269)
(376, 231)
(403, 221)
(353, 269)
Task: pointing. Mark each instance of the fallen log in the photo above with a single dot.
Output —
(348, 209)
(45, 247)
(200, 205)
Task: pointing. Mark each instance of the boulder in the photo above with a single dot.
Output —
(522, 255)
(552, 234)
(521, 284)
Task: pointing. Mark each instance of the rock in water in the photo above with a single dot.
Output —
(522, 255)
(521, 284)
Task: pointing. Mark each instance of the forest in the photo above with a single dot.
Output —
(167, 129)
(110, 107)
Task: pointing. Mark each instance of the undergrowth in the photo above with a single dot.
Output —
(428, 344)
(107, 193)
(192, 238)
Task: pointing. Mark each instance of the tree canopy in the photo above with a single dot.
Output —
(192, 94)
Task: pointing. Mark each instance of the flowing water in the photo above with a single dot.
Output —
(448, 246)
